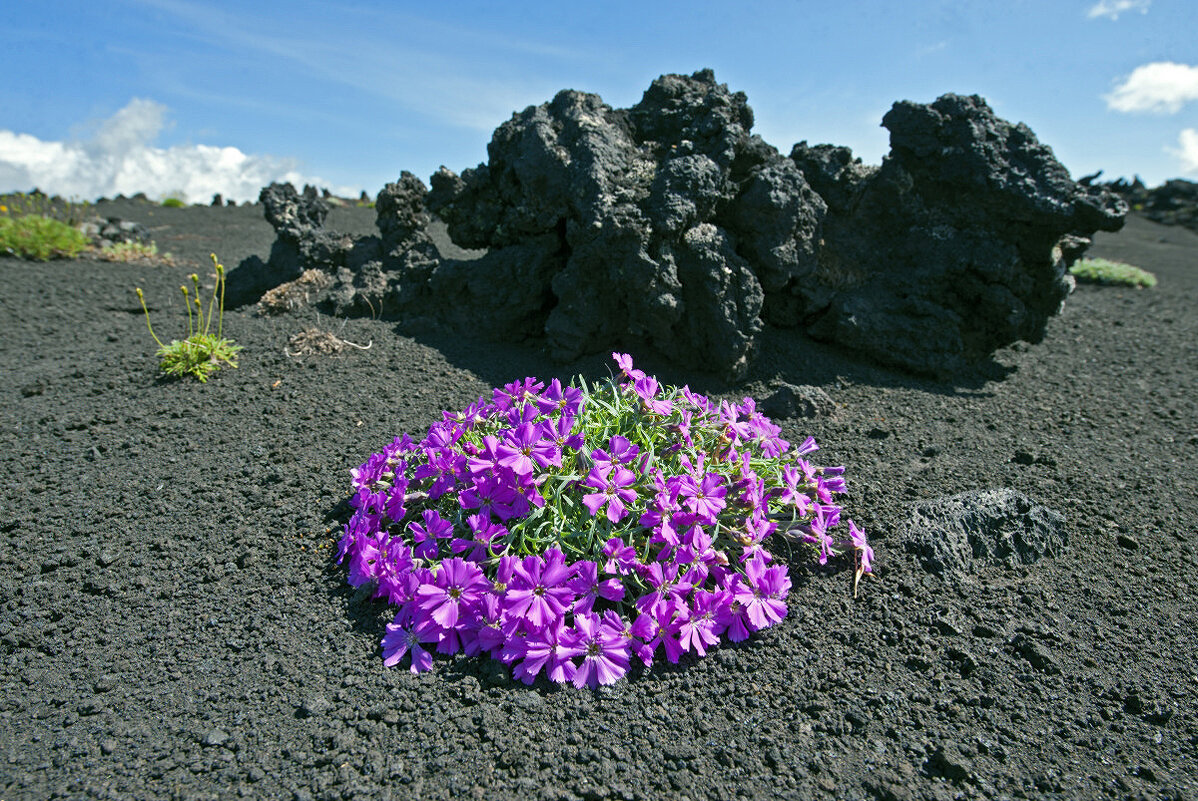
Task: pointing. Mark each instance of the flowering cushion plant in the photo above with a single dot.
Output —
(570, 530)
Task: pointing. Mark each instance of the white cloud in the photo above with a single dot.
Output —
(1187, 153)
(1113, 8)
(1162, 87)
(120, 159)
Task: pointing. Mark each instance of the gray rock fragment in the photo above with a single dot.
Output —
(954, 536)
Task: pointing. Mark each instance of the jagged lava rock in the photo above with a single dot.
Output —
(646, 221)
(670, 223)
(957, 245)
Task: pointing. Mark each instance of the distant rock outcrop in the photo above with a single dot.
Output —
(1172, 203)
(670, 223)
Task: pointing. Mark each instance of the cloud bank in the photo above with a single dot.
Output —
(120, 158)
(1111, 9)
(1161, 87)
(1187, 151)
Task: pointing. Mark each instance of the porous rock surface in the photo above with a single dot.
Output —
(671, 223)
(952, 536)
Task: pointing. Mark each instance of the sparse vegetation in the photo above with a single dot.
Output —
(132, 252)
(40, 238)
(35, 226)
(202, 352)
(1111, 273)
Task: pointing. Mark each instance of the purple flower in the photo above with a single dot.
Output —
(394, 507)
(517, 392)
(394, 570)
(865, 554)
(624, 362)
(425, 536)
(401, 639)
(369, 471)
(357, 528)
(621, 558)
(646, 388)
(761, 592)
(696, 401)
(698, 546)
(558, 400)
(483, 470)
(546, 649)
(484, 542)
(668, 586)
(539, 590)
(857, 537)
(661, 626)
(587, 586)
(739, 627)
(817, 534)
(707, 619)
(443, 465)
(704, 497)
(485, 629)
(473, 415)
(486, 460)
(457, 587)
(523, 448)
(522, 413)
(363, 566)
(614, 492)
(603, 647)
(792, 493)
(561, 433)
(765, 435)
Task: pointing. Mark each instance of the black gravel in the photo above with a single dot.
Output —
(172, 625)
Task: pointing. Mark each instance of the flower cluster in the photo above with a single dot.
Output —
(570, 530)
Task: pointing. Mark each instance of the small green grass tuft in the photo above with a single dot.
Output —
(202, 352)
(1111, 273)
(173, 203)
(40, 238)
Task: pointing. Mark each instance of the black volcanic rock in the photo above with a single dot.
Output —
(1174, 202)
(665, 218)
(957, 245)
(670, 223)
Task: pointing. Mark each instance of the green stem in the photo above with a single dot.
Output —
(187, 303)
(141, 297)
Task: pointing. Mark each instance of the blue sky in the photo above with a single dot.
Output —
(170, 96)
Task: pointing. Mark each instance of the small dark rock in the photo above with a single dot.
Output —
(314, 705)
(946, 762)
(105, 683)
(1127, 541)
(215, 737)
(1036, 653)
